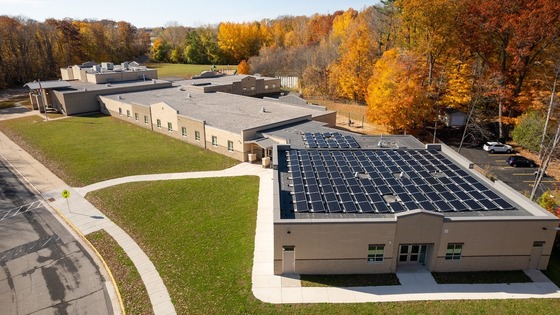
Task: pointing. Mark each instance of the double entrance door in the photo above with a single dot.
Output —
(412, 253)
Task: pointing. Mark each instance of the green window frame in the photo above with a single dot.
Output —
(375, 253)
(169, 127)
(120, 111)
(136, 117)
(197, 135)
(158, 123)
(128, 113)
(214, 141)
(454, 251)
(184, 131)
(146, 121)
(230, 145)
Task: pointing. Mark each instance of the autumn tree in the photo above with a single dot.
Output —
(352, 72)
(243, 67)
(239, 41)
(395, 98)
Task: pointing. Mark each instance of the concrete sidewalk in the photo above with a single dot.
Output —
(265, 285)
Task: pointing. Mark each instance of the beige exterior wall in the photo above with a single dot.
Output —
(487, 244)
(85, 101)
(329, 118)
(111, 107)
(67, 74)
(166, 114)
(222, 144)
(334, 248)
(249, 86)
(120, 76)
(495, 245)
(192, 126)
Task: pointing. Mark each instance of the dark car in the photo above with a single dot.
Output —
(517, 160)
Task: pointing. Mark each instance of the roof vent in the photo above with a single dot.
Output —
(189, 95)
(108, 84)
(120, 97)
(263, 110)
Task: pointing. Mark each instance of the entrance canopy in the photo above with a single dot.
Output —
(264, 143)
(47, 85)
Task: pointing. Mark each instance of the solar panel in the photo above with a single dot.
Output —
(396, 207)
(411, 205)
(334, 206)
(317, 206)
(349, 207)
(381, 207)
(366, 207)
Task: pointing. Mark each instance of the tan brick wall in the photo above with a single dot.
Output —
(223, 137)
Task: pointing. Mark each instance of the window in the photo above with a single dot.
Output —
(274, 86)
(184, 131)
(146, 120)
(230, 145)
(453, 251)
(197, 135)
(120, 111)
(266, 87)
(214, 140)
(136, 117)
(128, 113)
(538, 244)
(158, 123)
(375, 253)
(169, 126)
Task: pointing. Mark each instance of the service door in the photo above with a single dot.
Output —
(288, 259)
(536, 253)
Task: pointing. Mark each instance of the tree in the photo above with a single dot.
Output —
(395, 97)
(243, 67)
(239, 41)
(352, 72)
(529, 131)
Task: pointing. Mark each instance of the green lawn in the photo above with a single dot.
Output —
(86, 150)
(133, 292)
(514, 276)
(358, 280)
(202, 245)
(183, 70)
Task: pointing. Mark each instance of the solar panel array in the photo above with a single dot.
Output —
(384, 181)
(329, 140)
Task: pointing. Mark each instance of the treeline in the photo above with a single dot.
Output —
(405, 59)
(32, 50)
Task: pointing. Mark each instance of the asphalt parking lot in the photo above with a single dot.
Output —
(43, 268)
(519, 178)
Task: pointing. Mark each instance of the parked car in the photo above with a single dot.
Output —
(518, 160)
(494, 147)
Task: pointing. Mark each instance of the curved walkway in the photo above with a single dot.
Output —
(417, 285)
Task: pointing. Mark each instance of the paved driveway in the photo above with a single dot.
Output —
(519, 178)
(43, 269)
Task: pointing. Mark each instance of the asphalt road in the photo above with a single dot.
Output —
(43, 268)
(519, 178)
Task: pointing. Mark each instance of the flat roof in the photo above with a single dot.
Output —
(76, 86)
(225, 111)
(221, 80)
(47, 84)
(380, 183)
(294, 134)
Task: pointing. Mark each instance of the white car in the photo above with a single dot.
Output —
(494, 147)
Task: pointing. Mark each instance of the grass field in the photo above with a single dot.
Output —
(199, 233)
(183, 70)
(133, 292)
(85, 150)
(184, 238)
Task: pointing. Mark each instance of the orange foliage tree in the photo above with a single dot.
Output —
(243, 67)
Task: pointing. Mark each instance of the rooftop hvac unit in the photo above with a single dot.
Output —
(96, 68)
(124, 65)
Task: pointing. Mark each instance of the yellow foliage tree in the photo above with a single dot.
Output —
(396, 98)
(241, 40)
(351, 73)
(243, 67)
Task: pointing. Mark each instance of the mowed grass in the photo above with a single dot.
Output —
(357, 280)
(481, 277)
(86, 150)
(133, 292)
(183, 70)
(199, 234)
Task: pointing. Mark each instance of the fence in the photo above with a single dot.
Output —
(289, 82)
